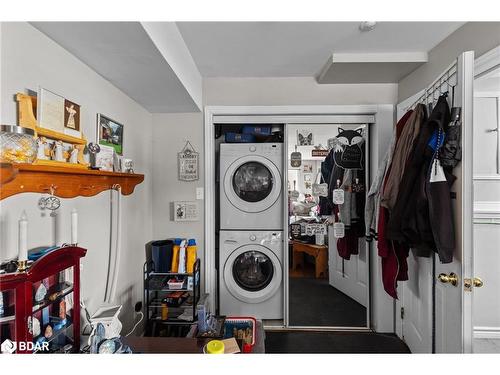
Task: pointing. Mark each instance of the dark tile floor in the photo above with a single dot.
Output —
(333, 342)
(313, 302)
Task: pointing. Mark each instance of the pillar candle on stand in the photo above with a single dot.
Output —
(23, 238)
(74, 226)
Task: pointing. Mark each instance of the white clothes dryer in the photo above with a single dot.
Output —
(251, 186)
(251, 274)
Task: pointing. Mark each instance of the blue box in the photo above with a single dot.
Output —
(264, 130)
(239, 138)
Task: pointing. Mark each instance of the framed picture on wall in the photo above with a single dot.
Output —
(57, 113)
(71, 115)
(110, 133)
(305, 137)
(307, 167)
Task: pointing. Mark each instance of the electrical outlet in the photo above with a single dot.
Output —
(199, 193)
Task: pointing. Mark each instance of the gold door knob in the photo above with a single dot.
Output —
(478, 283)
(452, 278)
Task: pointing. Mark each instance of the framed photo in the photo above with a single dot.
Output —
(110, 133)
(105, 159)
(307, 167)
(186, 211)
(57, 113)
(50, 110)
(305, 137)
(71, 115)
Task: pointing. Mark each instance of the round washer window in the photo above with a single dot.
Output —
(253, 270)
(252, 181)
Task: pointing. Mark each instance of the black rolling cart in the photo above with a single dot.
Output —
(160, 287)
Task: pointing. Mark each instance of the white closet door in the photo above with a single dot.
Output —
(451, 304)
(349, 276)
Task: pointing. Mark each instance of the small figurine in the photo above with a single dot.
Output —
(57, 151)
(73, 155)
(41, 147)
(62, 310)
(48, 331)
(41, 292)
(93, 149)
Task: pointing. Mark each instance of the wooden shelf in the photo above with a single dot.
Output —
(66, 182)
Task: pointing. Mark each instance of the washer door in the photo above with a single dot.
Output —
(252, 183)
(252, 273)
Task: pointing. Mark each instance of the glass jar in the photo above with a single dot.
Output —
(17, 144)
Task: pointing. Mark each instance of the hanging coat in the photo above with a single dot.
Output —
(393, 255)
(373, 196)
(408, 188)
(402, 151)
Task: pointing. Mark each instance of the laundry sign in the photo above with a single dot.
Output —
(188, 163)
(315, 228)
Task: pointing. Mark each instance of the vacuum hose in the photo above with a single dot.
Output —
(114, 251)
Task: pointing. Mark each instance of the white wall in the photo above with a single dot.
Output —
(479, 37)
(170, 133)
(293, 91)
(29, 59)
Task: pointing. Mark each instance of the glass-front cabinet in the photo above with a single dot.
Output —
(40, 308)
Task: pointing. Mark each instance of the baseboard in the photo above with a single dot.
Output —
(487, 332)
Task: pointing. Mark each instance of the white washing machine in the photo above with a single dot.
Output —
(251, 186)
(251, 274)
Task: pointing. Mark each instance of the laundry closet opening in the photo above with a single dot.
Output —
(328, 283)
(284, 252)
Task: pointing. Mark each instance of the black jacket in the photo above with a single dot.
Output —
(422, 216)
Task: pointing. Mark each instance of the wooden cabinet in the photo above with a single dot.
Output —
(27, 315)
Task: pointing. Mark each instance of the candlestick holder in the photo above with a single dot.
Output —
(22, 265)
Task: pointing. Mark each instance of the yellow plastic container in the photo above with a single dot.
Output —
(215, 347)
(175, 255)
(191, 256)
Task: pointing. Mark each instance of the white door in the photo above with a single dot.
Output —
(349, 276)
(451, 302)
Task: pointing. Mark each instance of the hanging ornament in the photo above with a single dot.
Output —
(295, 159)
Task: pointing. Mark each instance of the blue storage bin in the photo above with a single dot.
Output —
(239, 138)
(257, 129)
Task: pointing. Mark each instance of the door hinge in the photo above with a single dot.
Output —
(402, 312)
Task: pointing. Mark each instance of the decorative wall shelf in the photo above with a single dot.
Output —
(63, 181)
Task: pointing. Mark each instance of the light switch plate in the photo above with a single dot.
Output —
(199, 193)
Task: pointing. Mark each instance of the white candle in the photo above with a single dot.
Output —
(74, 226)
(23, 237)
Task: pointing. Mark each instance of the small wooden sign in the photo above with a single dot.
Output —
(319, 153)
(188, 163)
(312, 229)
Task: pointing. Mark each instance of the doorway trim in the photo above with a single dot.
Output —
(382, 313)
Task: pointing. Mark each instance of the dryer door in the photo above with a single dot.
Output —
(252, 183)
(252, 273)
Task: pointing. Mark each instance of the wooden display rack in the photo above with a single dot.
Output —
(65, 180)
(27, 106)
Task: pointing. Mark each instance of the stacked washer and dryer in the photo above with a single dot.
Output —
(251, 230)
